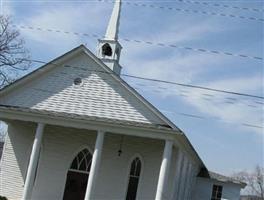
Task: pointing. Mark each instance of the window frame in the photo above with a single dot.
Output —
(79, 163)
(128, 175)
(69, 162)
(217, 191)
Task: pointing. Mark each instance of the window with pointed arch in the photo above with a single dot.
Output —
(134, 176)
(77, 176)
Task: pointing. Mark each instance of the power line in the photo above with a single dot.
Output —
(204, 96)
(189, 10)
(173, 112)
(200, 117)
(201, 50)
(221, 5)
(195, 86)
(163, 1)
(172, 83)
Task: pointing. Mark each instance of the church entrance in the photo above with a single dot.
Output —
(77, 176)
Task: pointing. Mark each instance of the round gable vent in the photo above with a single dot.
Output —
(77, 81)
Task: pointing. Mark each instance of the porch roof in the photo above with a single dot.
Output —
(139, 129)
(160, 127)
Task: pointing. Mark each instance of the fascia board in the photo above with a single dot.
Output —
(86, 124)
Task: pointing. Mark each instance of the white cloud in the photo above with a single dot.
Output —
(239, 113)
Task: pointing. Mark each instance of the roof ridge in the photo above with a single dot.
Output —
(130, 89)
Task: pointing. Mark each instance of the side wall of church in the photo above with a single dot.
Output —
(61, 145)
(204, 187)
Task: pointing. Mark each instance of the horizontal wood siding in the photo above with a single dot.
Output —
(15, 160)
(61, 145)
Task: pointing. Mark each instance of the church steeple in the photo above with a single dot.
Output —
(113, 26)
(109, 48)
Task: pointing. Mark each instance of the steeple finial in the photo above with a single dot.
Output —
(113, 26)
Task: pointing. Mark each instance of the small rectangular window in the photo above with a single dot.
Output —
(217, 192)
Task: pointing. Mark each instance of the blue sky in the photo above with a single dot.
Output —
(221, 141)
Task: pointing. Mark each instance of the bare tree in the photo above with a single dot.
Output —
(254, 180)
(14, 57)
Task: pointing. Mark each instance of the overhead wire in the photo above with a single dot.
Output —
(250, 125)
(174, 83)
(200, 117)
(200, 50)
(216, 4)
(187, 10)
(203, 96)
(195, 86)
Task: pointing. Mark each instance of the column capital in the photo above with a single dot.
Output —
(41, 125)
(101, 131)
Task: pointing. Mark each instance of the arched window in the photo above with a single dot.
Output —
(82, 162)
(134, 175)
(77, 176)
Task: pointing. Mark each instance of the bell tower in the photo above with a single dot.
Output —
(109, 48)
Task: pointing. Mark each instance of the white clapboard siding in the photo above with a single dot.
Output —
(14, 161)
(59, 147)
(100, 95)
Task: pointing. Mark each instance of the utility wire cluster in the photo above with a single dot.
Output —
(168, 82)
(182, 93)
(221, 5)
(174, 112)
(212, 118)
(189, 10)
(201, 50)
(206, 96)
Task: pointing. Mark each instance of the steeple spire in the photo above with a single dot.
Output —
(113, 26)
(109, 48)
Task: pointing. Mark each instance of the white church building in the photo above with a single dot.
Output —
(77, 131)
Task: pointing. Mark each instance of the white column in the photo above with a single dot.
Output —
(188, 181)
(95, 165)
(183, 179)
(179, 162)
(164, 169)
(34, 156)
(193, 181)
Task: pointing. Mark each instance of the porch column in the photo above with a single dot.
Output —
(193, 181)
(182, 180)
(186, 177)
(95, 164)
(164, 169)
(34, 156)
(179, 162)
(188, 181)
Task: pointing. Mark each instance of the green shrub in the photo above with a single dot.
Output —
(3, 198)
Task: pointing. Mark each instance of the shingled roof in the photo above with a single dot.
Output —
(102, 94)
(225, 179)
